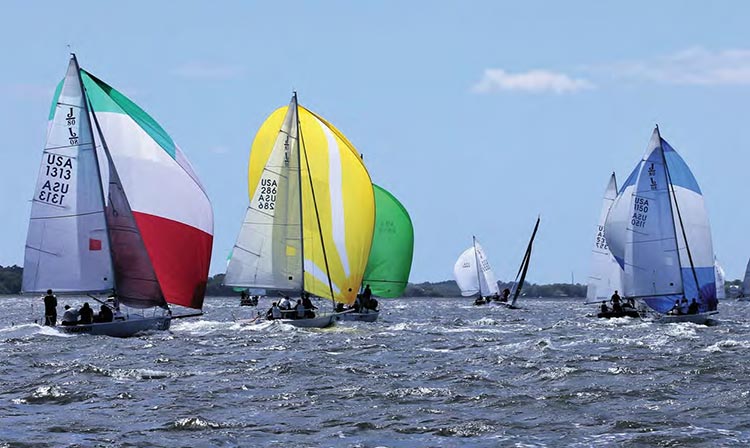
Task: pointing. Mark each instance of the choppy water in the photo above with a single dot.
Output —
(431, 372)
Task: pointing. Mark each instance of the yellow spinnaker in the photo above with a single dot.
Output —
(343, 195)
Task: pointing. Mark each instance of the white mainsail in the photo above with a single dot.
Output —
(746, 281)
(473, 273)
(268, 251)
(67, 246)
(606, 273)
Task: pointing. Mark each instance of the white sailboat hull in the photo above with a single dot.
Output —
(366, 316)
(122, 328)
(700, 318)
(319, 321)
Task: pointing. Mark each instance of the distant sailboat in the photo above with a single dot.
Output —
(720, 281)
(310, 222)
(745, 291)
(473, 273)
(117, 209)
(606, 274)
(389, 263)
(521, 275)
(658, 231)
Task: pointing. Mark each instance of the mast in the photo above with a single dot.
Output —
(525, 264)
(90, 113)
(315, 203)
(476, 262)
(299, 179)
(673, 197)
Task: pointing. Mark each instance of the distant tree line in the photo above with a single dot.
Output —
(449, 288)
(10, 283)
(10, 279)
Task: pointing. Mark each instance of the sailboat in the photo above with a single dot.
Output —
(745, 289)
(474, 275)
(309, 226)
(720, 281)
(606, 274)
(389, 263)
(117, 210)
(658, 231)
(521, 275)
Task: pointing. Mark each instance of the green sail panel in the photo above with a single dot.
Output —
(389, 263)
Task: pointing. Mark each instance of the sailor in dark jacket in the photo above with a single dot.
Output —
(50, 309)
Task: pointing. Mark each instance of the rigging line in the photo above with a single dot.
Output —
(301, 144)
(525, 265)
(476, 262)
(115, 175)
(64, 216)
(89, 112)
(48, 149)
(682, 225)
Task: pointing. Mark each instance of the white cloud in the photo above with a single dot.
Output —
(207, 70)
(693, 66)
(533, 81)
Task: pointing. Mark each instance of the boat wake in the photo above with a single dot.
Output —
(30, 330)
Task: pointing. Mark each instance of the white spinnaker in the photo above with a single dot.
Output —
(67, 247)
(465, 273)
(606, 273)
(487, 281)
(469, 280)
(268, 251)
(720, 281)
(652, 264)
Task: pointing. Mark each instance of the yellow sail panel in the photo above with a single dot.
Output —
(343, 208)
(338, 133)
(262, 147)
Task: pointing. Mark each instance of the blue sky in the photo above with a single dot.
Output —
(476, 115)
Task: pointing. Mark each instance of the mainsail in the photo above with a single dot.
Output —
(331, 199)
(668, 252)
(67, 247)
(150, 238)
(746, 281)
(473, 273)
(606, 273)
(521, 276)
(268, 252)
(390, 258)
